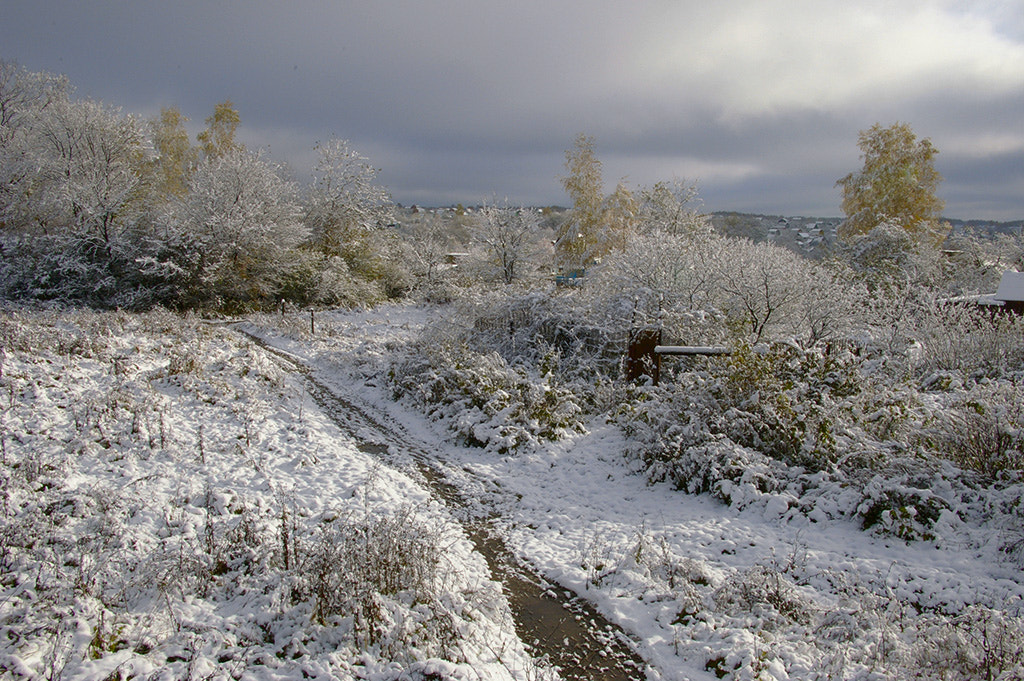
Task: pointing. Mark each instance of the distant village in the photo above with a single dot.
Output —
(813, 237)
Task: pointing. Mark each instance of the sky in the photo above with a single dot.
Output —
(758, 102)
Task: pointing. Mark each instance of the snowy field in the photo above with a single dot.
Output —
(176, 505)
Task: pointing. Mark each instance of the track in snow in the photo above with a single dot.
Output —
(555, 624)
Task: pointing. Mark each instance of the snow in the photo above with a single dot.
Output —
(194, 440)
(753, 589)
(1011, 287)
(577, 511)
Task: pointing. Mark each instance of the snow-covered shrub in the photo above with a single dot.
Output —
(983, 430)
(782, 400)
(372, 570)
(507, 370)
(674, 435)
(766, 402)
(486, 401)
(964, 337)
(767, 593)
(552, 334)
(884, 412)
(978, 643)
(327, 281)
(904, 506)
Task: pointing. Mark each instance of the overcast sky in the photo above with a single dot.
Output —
(757, 101)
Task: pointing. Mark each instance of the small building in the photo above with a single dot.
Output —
(1009, 297)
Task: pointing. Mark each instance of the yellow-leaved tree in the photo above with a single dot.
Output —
(896, 186)
(597, 224)
(219, 137)
(176, 158)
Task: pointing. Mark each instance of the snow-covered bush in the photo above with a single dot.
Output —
(382, 575)
(703, 288)
(486, 401)
(903, 506)
(965, 338)
(983, 430)
(783, 401)
(762, 409)
(327, 281)
(507, 369)
(978, 643)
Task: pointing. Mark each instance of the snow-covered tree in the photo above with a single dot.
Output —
(69, 167)
(234, 233)
(698, 282)
(672, 208)
(977, 261)
(506, 234)
(887, 258)
(74, 172)
(347, 206)
(23, 94)
(765, 287)
(618, 219)
(90, 160)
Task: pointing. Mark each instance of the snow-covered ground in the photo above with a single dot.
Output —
(702, 588)
(175, 506)
(169, 490)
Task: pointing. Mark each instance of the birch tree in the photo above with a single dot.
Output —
(176, 158)
(578, 239)
(218, 138)
(897, 185)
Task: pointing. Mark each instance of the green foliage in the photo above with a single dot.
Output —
(901, 510)
(782, 400)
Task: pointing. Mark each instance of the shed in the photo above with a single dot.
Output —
(1009, 297)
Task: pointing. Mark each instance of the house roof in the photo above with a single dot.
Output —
(1011, 287)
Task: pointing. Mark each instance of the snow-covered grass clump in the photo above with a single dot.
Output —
(174, 505)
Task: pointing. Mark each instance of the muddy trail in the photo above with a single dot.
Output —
(558, 627)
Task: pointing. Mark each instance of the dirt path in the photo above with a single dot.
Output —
(555, 624)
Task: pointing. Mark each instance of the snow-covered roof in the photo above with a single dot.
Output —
(1011, 287)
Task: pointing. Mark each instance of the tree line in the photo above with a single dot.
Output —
(104, 208)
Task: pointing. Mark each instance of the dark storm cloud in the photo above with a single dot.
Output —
(464, 100)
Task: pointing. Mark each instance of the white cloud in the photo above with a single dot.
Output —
(755, 57)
